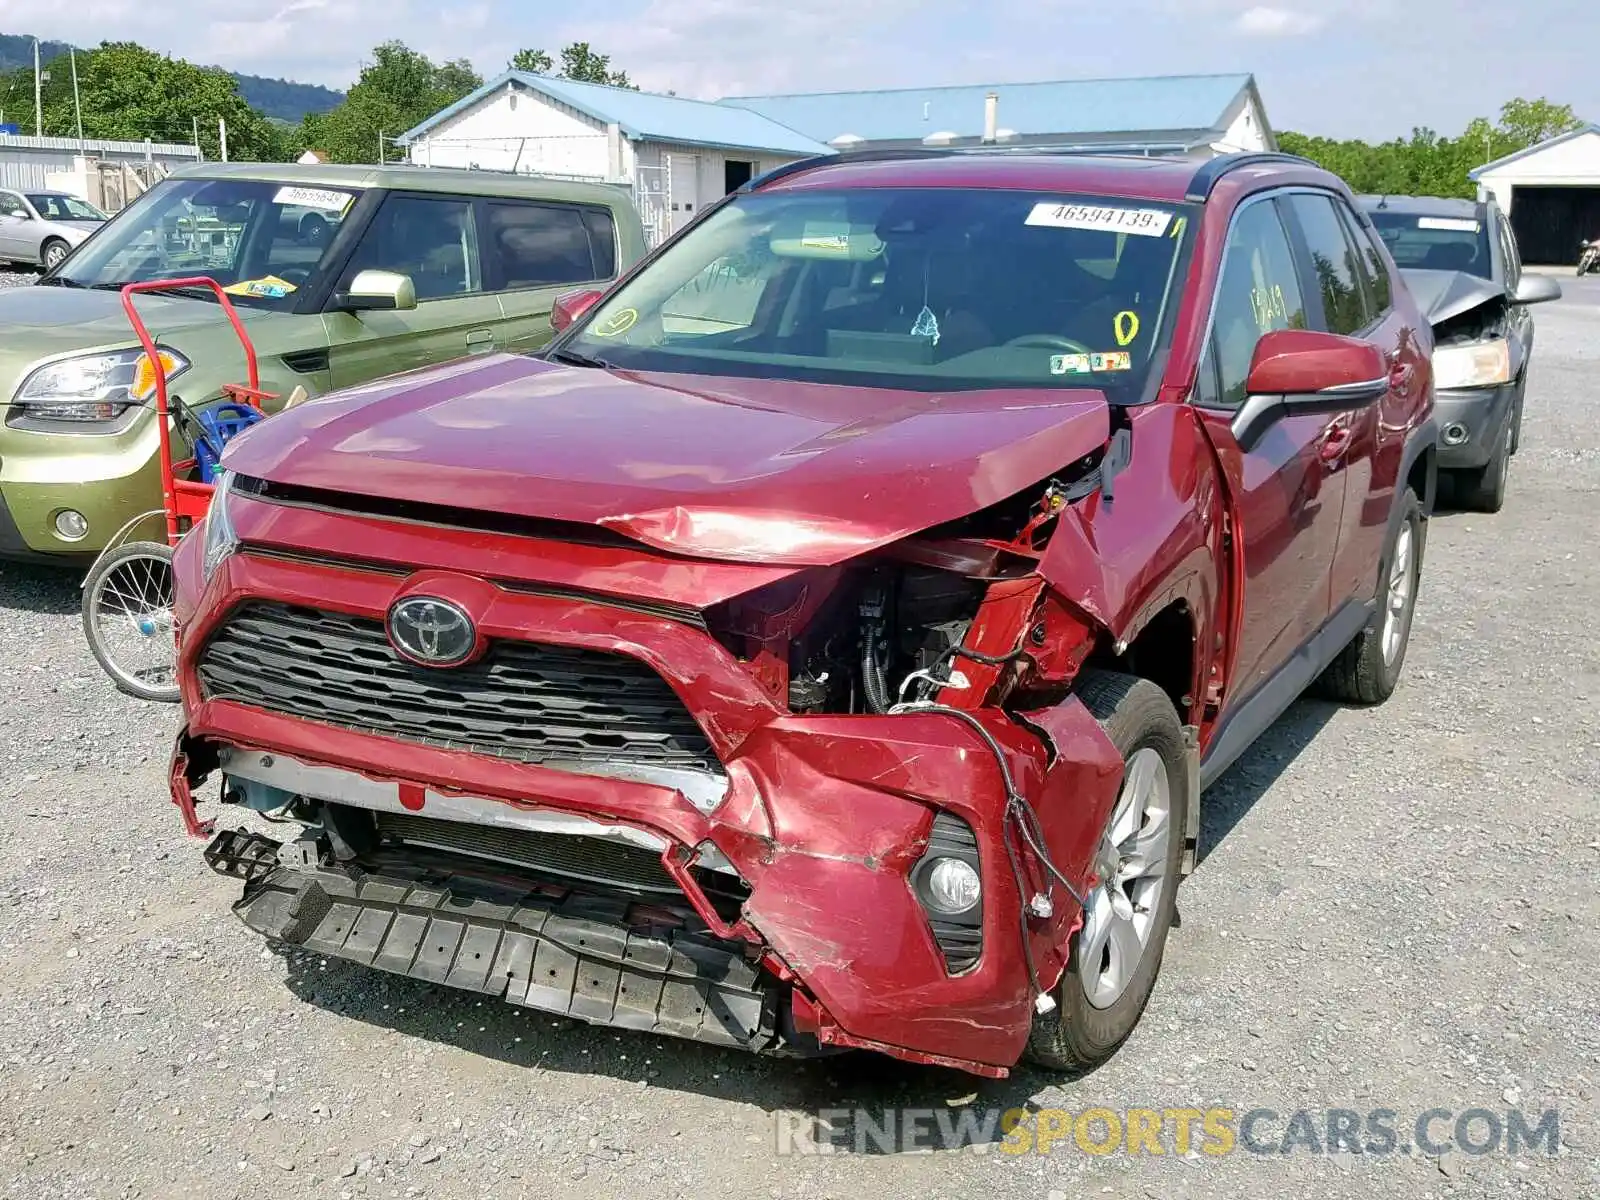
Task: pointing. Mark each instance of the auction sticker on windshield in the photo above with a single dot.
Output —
(1454, 224)
(1146, 222)
(324, 199)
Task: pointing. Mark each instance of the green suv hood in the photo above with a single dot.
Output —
(41, 323)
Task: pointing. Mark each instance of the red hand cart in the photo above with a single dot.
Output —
(127, 593)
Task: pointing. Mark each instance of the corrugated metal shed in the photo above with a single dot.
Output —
(645, 116)
(1089, 107)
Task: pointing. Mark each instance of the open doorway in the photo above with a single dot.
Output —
(736, 173)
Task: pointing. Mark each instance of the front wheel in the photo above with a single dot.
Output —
(1115, 956)
(53, 253)
(127, 617)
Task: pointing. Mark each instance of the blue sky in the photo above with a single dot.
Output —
(1353, 68)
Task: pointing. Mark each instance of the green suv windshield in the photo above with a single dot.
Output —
(929, 288)
(250, 236)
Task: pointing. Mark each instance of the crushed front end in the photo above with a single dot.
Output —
(771, 807)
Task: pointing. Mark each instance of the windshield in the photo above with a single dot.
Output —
(54, 206)
(1435, 243)
(245, 234)
(937, 288)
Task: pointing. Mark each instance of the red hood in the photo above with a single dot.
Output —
(741, 469)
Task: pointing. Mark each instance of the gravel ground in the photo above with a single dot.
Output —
(1396, 909)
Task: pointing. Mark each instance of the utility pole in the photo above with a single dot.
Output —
(77, 104)
(380, 147)
(222, 137)
(38, 94)
(197, 155)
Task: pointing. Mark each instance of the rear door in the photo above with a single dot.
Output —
(1286, 501)
(535, 251)
(1366, 444)
(435, 240)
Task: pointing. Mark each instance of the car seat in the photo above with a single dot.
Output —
(1451, 256)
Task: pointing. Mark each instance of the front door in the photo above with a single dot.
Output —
(435, 241)
(15, 227)
(1286, 497)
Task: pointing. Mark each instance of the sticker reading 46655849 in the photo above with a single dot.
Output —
(1146, 222)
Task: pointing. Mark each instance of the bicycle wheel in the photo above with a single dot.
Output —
(127, 617)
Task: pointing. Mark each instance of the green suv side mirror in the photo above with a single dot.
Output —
(374, 291)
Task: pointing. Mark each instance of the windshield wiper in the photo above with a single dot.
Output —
(204, 293)
(59, 281)
(578, 359)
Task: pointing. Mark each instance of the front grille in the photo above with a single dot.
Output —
(555, 705)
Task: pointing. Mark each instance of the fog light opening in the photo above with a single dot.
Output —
(71, 525)
(1455, 434)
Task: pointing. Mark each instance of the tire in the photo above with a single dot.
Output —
(1484, 488)
(127, 590)
(1363, 673)
(1516, 418)
(52, 252)
(313, 230)
(1081, 1033)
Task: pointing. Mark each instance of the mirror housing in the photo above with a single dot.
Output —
(378, 291)
(1296, 371)
(1536, 289)
(570, 306)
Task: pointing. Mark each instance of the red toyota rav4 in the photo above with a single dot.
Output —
(827, 641)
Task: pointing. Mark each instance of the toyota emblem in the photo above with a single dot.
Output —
(433, 632)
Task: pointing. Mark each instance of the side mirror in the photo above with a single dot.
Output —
(378, 291)
(1297, 371)
(570, 306)
(1536, 289)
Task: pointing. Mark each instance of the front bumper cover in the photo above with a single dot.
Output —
(1472, 421)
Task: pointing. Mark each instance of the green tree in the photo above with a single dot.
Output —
(579, 61)
(129, 93)
(400, 88)
(534, 62)
(1427, 164)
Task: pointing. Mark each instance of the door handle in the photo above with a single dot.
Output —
(480, 341)
(1334, 443)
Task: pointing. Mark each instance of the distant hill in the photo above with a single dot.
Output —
(279, 99)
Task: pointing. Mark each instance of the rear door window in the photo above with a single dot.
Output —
(543, 245)
(1335, 272)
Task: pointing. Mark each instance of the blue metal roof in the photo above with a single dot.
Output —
(1083, 106)
(647, 115)
(1535, 149)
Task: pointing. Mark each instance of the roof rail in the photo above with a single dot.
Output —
(914, 153)
(1211, 173)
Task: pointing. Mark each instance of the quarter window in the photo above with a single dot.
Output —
(434, 241)
(1259, 292)
(540, 245)
(1333, 263)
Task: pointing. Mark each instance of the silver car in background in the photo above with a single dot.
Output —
(41, 228)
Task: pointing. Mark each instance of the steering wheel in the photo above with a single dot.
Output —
(1047, 341)
(294, 275)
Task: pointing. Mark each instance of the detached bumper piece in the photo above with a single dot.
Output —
(588, 957)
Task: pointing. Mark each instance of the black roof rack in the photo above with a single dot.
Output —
(1211, 173)
(914, 153)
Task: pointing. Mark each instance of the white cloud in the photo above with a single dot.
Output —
(1262, 21)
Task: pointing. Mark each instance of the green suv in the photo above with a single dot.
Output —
(402, 267)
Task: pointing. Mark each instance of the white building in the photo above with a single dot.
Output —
(105, 173)
(679, 155)
(1551, 191)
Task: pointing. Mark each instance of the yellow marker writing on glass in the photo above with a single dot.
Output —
(617, 323)
(1126, 326)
